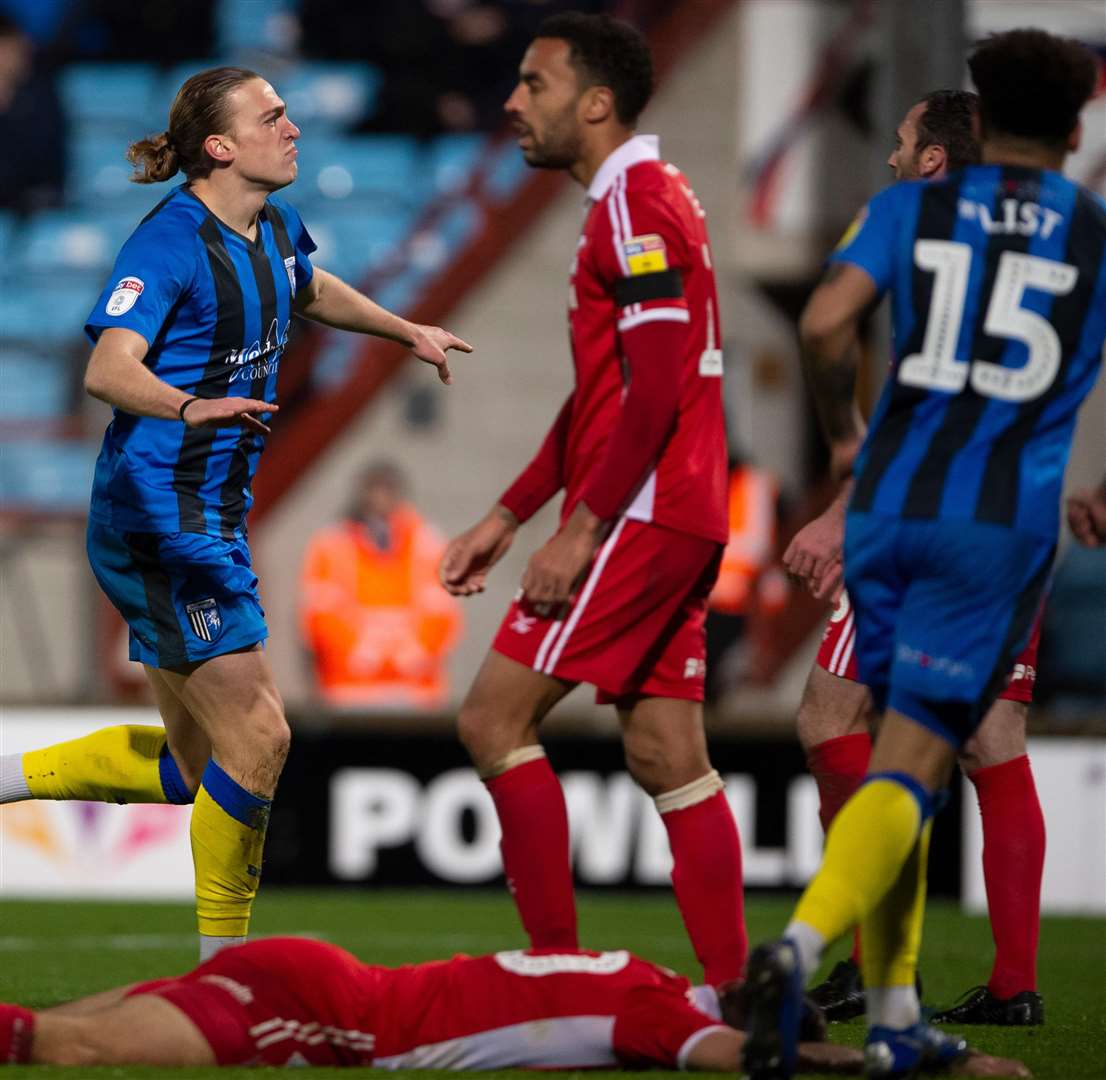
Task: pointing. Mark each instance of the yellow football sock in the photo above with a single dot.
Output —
(117, 764)
(228, 836)
(891, 935)
(867, 845)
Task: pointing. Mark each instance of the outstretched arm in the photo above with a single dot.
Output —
(329, 300)
(117, 375)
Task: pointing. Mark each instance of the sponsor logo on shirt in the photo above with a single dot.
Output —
(645, 254)
(259, 360)
(123, 296)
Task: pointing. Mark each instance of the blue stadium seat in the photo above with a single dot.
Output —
(118, 96)
(51, 475)
(452, 159)
(252, 26)
(321, 96)
(38, 384)
(353, 241)
(99, 171)
(382, 168)
(507, 173)
(40, 312)
(61, 241)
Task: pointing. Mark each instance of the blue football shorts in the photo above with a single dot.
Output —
(942, 609)
(185, 596)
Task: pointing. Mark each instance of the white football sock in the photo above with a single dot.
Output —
(808, 944)
(892, 1006)
(210, 945)
(13, 785)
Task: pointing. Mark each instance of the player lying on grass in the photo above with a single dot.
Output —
(294, 1001)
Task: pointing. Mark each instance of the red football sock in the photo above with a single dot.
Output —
(1013, 865)
(17, 1029)
(706, 877)
(534, 821)
(838, 767)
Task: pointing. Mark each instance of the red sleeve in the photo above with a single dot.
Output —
(644, 264)
(654, 353)
(544, 476)
(654, 1027)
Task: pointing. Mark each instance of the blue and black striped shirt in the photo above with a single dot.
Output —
(998, 282)
(215, 309)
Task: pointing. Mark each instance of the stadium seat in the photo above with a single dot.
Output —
(452, 159)
(37, 384)
(506, 173)
(116, 96)
(8, 226)
(321, 96)
(249, 26)
(37, 312)
(49, 475)
(383, 168)
(353, 242)
(99, 169)
(59, 241)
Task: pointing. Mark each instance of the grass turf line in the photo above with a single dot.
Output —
(55, 951)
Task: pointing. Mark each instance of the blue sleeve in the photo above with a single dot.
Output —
(151, 273)
(300, 238)
(870, 241)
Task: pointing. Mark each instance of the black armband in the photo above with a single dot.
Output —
(663, 285)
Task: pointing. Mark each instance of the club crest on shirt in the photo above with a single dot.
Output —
(123, 296)
(204, 618)
(290, 270)
(645, 254)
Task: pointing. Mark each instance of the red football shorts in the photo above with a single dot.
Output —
(836, 653)
(278, 1001)
(636, 625)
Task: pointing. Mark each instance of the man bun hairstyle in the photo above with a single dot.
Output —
(949, 121)
(201, 108)
(1032, 84)
(606, 52)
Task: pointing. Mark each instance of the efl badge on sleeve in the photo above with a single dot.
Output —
(124, 295)
(205, 620)
(645, 254)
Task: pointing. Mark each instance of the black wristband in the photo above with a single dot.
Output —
(184, 405)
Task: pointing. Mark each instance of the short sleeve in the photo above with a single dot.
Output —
(870, 241)
(657, 1026)
(300, 239)
(153, 270)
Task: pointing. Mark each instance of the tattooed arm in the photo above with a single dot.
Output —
(828, 335)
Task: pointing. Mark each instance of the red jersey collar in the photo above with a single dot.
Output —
(634, 150)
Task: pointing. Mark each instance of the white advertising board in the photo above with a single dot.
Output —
(1071, 784)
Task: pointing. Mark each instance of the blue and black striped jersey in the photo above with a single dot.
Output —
(215, 309)
(998, 282)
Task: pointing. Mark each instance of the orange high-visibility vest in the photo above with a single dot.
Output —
(378, 623)
(752, 542)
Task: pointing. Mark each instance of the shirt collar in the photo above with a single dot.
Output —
(634, 150)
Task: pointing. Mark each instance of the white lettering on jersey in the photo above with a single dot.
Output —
(1018, 218)
(522, 963)
(123, 296)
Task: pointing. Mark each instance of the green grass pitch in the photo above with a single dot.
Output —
(51, 952)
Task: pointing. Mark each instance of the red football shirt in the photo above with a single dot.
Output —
(643, 258)
(539, 1009)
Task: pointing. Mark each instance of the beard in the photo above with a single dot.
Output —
(560, 148)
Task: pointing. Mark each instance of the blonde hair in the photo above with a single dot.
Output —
(200, 109)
